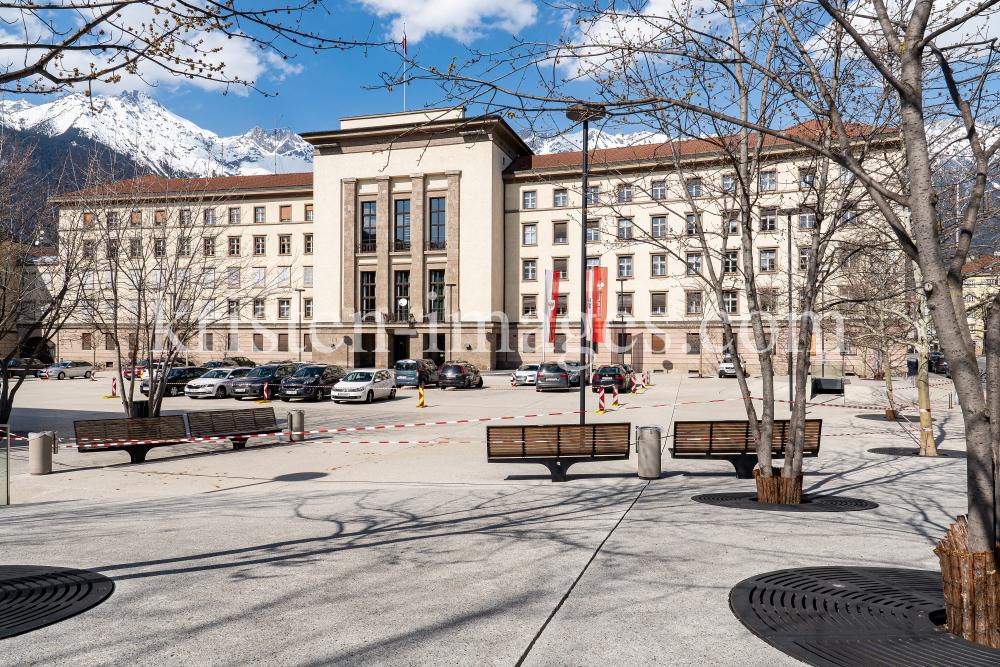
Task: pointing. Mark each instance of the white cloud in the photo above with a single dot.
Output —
(463, 20)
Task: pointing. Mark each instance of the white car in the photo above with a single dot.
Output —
(67, 369)
(526, 374)
(728, 368)
(215, 382)
(364, 386)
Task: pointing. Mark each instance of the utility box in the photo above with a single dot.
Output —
(647, 443)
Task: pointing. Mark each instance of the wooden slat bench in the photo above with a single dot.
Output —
(558, 447)
(733, 441)
(168, 429)
(236, 425)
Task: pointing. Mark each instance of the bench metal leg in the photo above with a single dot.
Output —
(744, 465)
(137, 454)
(557, 468)
(239, 443)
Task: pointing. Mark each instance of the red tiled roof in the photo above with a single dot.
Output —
(990, 262)
(649, 152)
(154, 185)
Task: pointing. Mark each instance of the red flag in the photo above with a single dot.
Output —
(404, 43)
(597, 286)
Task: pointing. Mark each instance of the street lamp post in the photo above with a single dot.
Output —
(585, 113)
(300, 291)
(791, 320)
(621, 314)
(451, 320)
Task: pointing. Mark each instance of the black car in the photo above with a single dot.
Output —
(311, 382)
(230, 362)
(611, 375)
(177, 379)
(413, 372)
(253, 383)
(459, 374)
(936, 363)
(30, 367)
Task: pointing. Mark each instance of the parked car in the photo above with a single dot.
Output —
(459, 374)
(280, 362)
(365, 386)
(413, 372)
(577, 369)
(216, 382)
(30, 367)
(311, 382)
(610, 375)
(552, 376)
(67, 369)
(253, 383)
(525, 374)
(242, 362)
(936, 363)
(139, 368)
(727, 367)
(177, 380)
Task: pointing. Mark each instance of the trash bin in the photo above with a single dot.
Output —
(647, 444)
(40, 453)
(140, 409)
(296, 422)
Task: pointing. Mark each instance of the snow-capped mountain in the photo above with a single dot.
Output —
(135, 125)
(568, 143)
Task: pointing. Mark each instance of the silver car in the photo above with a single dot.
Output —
(525, 374)
(551, 376)
(215, 382)
(67, 369)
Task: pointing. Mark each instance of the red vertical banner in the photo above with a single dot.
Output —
(597, 286)
(551, 302)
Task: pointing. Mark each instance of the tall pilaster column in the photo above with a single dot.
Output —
(383, 235)
(418, 300)
(349, 224)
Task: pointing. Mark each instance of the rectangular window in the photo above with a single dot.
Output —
(807, 178)
(184, 246)
(561, 198)
(367, 292)
(233, 342)
(88, 249)
(233, 310)
(136, 218)
(284, 310)
(529, 200)
(284, 245)
(807, 220)
(309, 212)
(257, 278)
(529, 236)
(694, 187)
(209, 216)
(562, 304)
(658, 303)
(849, 217)
(260, 245)
(559, 233)
(206, 342)
(528, 270)
(559, 343)
(258, 309)
(731, 227)
(805, 254)
(593, 231)
(234, 246)
(624, 228)
(308, 244)
(559, 266)
(402, 293)
(109, 342)
(768, 301)
(435, 285)
(768, 220)
(731, 263)
(87, 341)
(368, 214)
(593, 195)
(113, 248)
(528, 307)
(659, 265)
(208, 278)
(731, 303)
(233, 277)
(401, 232)
(659, 227)
(694, 264)
(768, 261)
(624, 194)
(659, 189)
(437, 220)
(693, 303)
(283, 342)
(112, 218)
(593, 262)
(768, 181)
(624, 304)
(258, 342)
(307, 308)
(284, 276)
(307, 276)
(234, 216)
(729, 183)
(624, 267)
(692, 224)
(259, 214)
(185, 217)
(208, 246)
(285, 213)
(160, 218)
(160, 247)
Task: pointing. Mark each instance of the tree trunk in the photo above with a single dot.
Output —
(992, 344)
(927, 446)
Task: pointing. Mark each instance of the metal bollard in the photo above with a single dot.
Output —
(296, 422)
(951, 396)
(647, 444)
(40, 453)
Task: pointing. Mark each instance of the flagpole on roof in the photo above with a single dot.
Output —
(405, 67)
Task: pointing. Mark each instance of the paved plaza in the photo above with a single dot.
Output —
(404, 546)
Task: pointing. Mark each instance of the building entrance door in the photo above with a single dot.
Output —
(400, 349)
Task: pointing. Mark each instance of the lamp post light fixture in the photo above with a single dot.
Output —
(300, 291)
(585, 113)
(451, 320)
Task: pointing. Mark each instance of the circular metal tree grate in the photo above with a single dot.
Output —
(748, 501)
(855, 617)
(914, 451)
(32, 597)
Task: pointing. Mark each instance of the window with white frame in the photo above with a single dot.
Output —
(284, 308)
(259, 214)
(731, 226)
(624, 228)
(208, 309)
(593, 262)
(658, 305)
(729, 183)
(233, 277)
(659, 228)
(807, 178)
(731, 263)
(624, 267)
(624, 193)
(624, 304)
(257, 276)
(561, 267)
(805, 256)
(528, 271)
(807, 219)
(307, 276)
(530, 235)
(234, 308)
(768, 220)
(768, 261)
(694, 187)
(234, 216)
(593, 231)
(731, 302)
(692, 224)
(209, 216)
(258, 309)
(768, 181)
(593, 195)
(528, 306)
(659, 189)
(560, 233)
(693, 303)
(307, 308)
(659, 265)
(529, 199)
(849, 217)
(284, 276)
(560, 198)
(693, 264)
